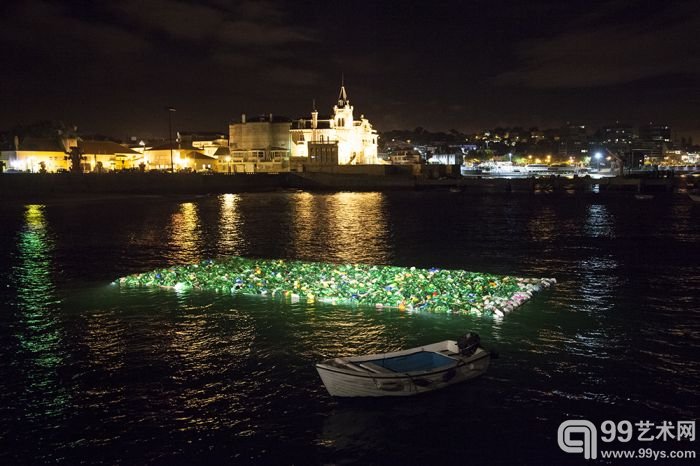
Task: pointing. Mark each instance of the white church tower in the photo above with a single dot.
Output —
(343, 110)
(355, 139)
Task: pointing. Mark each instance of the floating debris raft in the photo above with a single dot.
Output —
(403, 288)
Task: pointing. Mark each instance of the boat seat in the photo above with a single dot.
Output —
(350, 365)
(370, 366)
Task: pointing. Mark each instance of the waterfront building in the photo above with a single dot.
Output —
(51, 154)
(259, 144)
(573, 142)
(618, 135)
(207, 143)
(37, 154)
(185, 157)
(223, 160)
(405, 157)
(100, 156)
(452, 158)
(201, 162)
(651, 146)
(616, 142)
(655, 133)
(338, 139)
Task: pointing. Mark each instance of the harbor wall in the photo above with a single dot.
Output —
(26, 185)
(49, 184)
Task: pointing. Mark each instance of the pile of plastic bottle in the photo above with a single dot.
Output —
(403, 288)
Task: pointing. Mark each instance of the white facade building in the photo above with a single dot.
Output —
(354, 139)
(259, 144)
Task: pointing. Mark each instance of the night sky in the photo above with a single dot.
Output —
(112, 67)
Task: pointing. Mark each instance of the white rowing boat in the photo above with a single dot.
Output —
(408, 372)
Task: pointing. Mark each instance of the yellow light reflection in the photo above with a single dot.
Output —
(231, 242)
(197, 339)
(185, 234)
(360, 226)
(304, 222)
(342, 227)
(106, 338)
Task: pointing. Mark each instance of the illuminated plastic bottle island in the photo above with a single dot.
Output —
(381, 286)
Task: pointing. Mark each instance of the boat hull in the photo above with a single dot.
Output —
(343, 382)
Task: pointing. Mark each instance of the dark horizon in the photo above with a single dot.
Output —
(113, 69)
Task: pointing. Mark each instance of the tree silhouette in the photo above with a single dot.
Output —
(76, 157)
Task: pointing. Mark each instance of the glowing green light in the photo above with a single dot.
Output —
(38, 332)
(433, 290)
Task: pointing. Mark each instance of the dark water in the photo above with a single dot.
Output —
(90, 373)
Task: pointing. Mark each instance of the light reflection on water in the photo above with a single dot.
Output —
(358, 228)
(231, 241)
(148, 375)
(683, 226)
(598, 282)
(185, 235)
(39, 332)
(304, 224)
(341, 227)
(214, 363)
(599, 222)
(543, 225)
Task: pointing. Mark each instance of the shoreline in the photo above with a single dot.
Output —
(154, 186)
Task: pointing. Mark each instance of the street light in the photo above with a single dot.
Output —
(142, 143)
(171, 110)
(598, 156)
